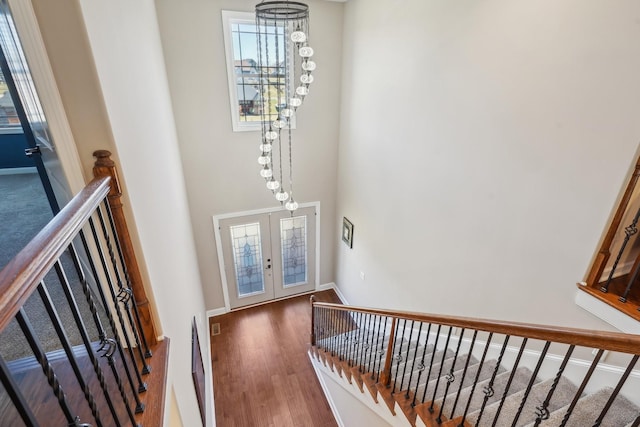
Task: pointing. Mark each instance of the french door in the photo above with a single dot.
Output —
(268, 255)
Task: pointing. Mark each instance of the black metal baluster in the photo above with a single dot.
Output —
(125, 294)
(142, 386)
(629, 231)
(509, 381)
(531, 382)
(372, 346)
(399, 355)
(64, 340)
(450, 377)
(444, 355)
(542, 411)
(18, 399)
(367, 345)
(475, 380)
(81, 325)
(616, 390)
(348, 338)
(406, 363)
(435, 349)
(413, 364)
(362, 321)
(112, 344)
(623, 297)
(583, 385)
(421, 365)
(41, 357)
(136, 313)
(488, 389)
(636, 423)
(108, 343)
(464, 372)
(381, 350)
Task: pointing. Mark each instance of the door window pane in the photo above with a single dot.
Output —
(247, 258)
(293, 232)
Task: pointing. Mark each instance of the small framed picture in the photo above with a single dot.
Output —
(347, 232)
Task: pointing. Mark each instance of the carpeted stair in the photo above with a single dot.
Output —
(497, 392)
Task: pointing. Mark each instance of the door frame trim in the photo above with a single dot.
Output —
(218, 240)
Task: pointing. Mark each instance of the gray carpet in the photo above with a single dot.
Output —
(587, 410)
(24, 211)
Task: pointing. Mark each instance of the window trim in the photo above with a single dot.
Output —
(229, 17)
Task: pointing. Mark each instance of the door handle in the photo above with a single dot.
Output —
(29, 152)
(268, 266)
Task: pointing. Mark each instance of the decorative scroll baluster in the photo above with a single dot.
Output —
(421, 366)
(583, 385)
(616, 390)
(42, 359)
(104, 166)
(385, 376)
(81, 325)
(542, 411)
(367, 346)
(475, 380)
(450, 377)
(398, 356)
(381, 352)
(406, 363)
(431, 358)
(534, 375)
(629, 231)
(18, 399)
(373, 326)
(116, 341)
(632, 281)
(444, 355)
(413, 364)
(64, 340)
(509, 381)
(464, 372)
(361, 339)
(124, 292)
(488, 390)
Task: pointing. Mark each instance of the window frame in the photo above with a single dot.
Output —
(230, 17)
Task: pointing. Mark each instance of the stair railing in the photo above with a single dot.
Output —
(422, 363)
(99, 380)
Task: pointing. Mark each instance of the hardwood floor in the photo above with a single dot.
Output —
(262, 375)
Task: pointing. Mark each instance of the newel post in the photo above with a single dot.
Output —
(313, 321)
(104, 166)
(385, 375)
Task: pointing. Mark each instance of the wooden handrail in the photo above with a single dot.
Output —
(20, 277)
(613, 341)
(104, 166)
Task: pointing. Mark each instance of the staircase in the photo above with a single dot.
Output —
(446, 371)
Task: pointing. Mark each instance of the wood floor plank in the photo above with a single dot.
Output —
(262, 375)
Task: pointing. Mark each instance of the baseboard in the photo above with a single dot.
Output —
(326, 392)
(615, 318)
(216, 312)
(18, 171)
(331, 285)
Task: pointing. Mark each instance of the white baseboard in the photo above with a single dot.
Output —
(331, 285)
(216, 312)
(615, 318)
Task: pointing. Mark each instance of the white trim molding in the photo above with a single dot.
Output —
(615, 318)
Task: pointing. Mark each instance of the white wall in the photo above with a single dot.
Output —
(125, 42)
(482, 148)
(220, 166)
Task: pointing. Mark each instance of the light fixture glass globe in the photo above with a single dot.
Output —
(286, 112)
(264, 159)
(291, 205)
(279, 124)
(306, 79)
(298, 37)
(295, 102)
(308, 65)
(266, 172)
(266, 148)
(282, 195)
(306, 52)
(302, 91)
(273, 184)
(271, 135)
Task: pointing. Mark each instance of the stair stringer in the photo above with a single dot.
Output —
(379, 409)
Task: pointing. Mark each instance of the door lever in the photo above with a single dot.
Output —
(29, 152)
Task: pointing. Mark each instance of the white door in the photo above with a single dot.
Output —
(268, 255)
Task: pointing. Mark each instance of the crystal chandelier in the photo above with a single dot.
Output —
(284, 61)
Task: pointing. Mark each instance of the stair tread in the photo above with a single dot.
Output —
(519, 382)
(588, 408)
(564, 393)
